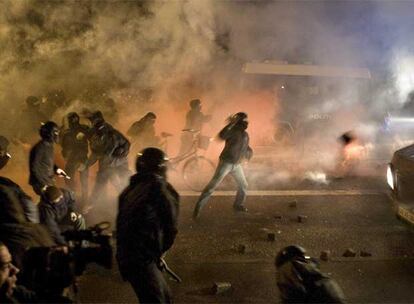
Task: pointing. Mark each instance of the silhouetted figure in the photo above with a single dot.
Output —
(110, 148)
(19, 218)
(142, 133)
(147, 227)
(194, 120)
(75, 152)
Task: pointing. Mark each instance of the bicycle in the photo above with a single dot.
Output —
(196, 170)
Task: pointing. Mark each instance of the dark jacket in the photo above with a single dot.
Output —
(236, 147)
(16, 231)
(109, 146)
(54, 214)
(75, 143)
(42, 164)
(142, 132)
(16, 206)
(146, 224)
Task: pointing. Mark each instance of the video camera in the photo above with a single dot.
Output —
(49, 270)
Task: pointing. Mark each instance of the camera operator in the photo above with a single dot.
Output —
(146, 227)
(300, 280)
(57, 213)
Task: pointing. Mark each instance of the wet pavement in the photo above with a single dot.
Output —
(208, 251)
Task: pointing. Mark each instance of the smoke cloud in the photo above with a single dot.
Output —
(158, 55)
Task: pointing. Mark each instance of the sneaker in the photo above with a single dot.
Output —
(240, 208)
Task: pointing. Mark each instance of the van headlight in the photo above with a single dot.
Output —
(390, 177)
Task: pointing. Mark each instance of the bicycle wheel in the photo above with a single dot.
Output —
(197, 172)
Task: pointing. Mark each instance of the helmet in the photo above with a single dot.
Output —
(150, 115)
(240, 116)
(289, 253)
(73, 118)
(52, 193)
(4, 155)
(32, 101)
(195, 103)
(49, 131)
(96, 118)
(151, 160)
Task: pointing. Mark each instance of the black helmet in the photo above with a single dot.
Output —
(49, 131)
(289, 253)
(32, 101)
(96, 118)
(4, 155)
(73, 118)
(151, 160)
(195, 103)
(52, 193)
(150, 115)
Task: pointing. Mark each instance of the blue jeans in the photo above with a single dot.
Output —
(224, 168)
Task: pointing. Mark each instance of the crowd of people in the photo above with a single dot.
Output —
(148, 210)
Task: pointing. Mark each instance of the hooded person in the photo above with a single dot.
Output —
(142, 132)
(146, 227)
(236, 150)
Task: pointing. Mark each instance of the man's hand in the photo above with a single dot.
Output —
(62, 173)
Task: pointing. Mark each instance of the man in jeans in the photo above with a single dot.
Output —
(236, 150)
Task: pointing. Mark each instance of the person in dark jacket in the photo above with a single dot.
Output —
(19, 218)
(58, 213)
(142, 132)
(41, 160)
(28, 208)
(194, 121)
(75, 151)
(235, 151)
(300, 280)
(110, 148)
(146, 227)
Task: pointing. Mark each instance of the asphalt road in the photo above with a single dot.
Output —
(358, 216)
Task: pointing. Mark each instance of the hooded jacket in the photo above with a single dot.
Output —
(237, 146)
